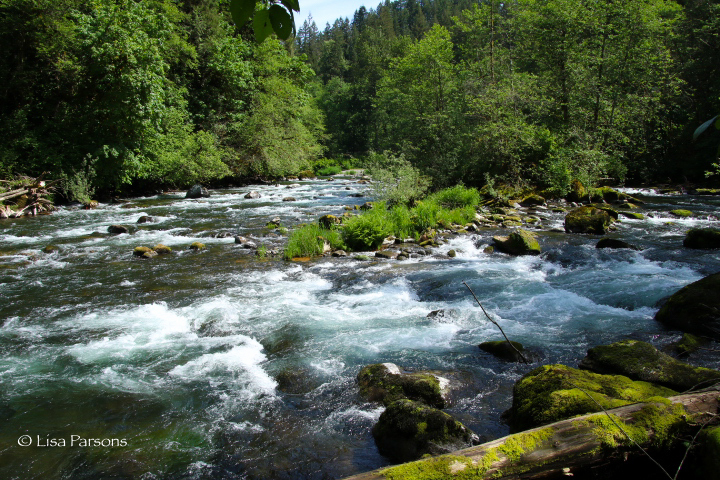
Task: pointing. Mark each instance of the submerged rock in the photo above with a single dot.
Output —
(589, 219)
(615, 244)
(197, 191)
(688, 344)
(694, 308)
(386, 383)
(408, 430)
(702, 238)
(641, 361)
(555, 392)
(503, 350)
(633, 215)
(51, 249)
(520, 242)
(680, 213)
(289, 199)
(118, 229)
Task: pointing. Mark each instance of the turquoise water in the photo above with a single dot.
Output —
(216, 364)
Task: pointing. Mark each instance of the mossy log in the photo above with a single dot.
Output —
(570, 445)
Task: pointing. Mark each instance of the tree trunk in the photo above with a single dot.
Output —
(561, 447)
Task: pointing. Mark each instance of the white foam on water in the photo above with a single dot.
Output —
(241, 364)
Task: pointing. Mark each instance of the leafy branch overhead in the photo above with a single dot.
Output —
(272, 16)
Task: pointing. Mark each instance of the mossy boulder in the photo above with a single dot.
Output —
(520, 242)
(329, 221)
(682, 213)
(141, 251)
(578, 192)
(408, 430)
(702, 238)
(555, 392)
(707, 464)
(161, 249)
(588, 219)
(688, 344)
(614, 243)
(694, 308)
(386, 383)
(641, 361)
(51, 249)
(532, 200)
(503, 350)
(633, 215)
(197, 246)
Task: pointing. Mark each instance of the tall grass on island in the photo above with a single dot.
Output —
(364, 232)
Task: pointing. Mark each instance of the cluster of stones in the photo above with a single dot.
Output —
(413, 424)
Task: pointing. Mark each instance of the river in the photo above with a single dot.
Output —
(220, 365)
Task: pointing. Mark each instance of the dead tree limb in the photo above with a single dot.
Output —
(565, 446)
(496, 324)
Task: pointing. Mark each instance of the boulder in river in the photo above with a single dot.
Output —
(144, 252)
(520, 242)
(555, 392)
(386, 383)
(633, 215)
(387, 254)
(118, 229)
(503, 350)
(702, 238)
(614, 243)
(197, 191)
(694, 308)
(289, 199)
(408, 430)
(641, 361)
(145, 219)
(197, 246)
(588, 219)
(329, 221)
(252, 195)
(681, 213)
(161, 249)
(51, 249)
(532, 201)
(688, 344)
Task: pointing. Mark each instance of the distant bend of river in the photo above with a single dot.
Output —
(219, 365)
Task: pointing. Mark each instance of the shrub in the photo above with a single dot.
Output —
(367, 231)
(457, 197)
(401, 218)
(307, 241)
(327, 171)
(395, 180)
(461, 216)
(424, 214)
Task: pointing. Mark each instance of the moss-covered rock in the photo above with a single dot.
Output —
(51, 249)
(682, 213)
(197, 246)
(589, 219)
(520, 242)
(161, 249)
(503, 350)
(408, 430)
(688, 344)
(707, 191)
(641, 361)
(614, 243)
(578, 192)
(694, 308)
(532, 200)
(702, 238)
(386, 383)
(633, 215)
(555, 392)
(140, 251)
(329, 221)
(707, 465)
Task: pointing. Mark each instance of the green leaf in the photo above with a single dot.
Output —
(705, 126)
(241, 11)
(291, 4)
(281, 21)
(261, 25)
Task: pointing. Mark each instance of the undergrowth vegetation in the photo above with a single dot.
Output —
(456, 205)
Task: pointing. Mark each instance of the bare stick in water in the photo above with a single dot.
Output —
(496, 324)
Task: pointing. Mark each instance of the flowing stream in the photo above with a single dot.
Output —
(220, 365)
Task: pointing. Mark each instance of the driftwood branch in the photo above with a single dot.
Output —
(34, 189)
(497, 325)
(559, 448)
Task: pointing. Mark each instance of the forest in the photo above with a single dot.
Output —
(121, 96)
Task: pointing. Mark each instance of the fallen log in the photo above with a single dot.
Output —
(28, 198)
(577, 443)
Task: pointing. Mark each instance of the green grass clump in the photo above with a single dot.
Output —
(457, 197)
(367, 231)
(327, 171)
(305, 241)
(460, 216)
(425, 214)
